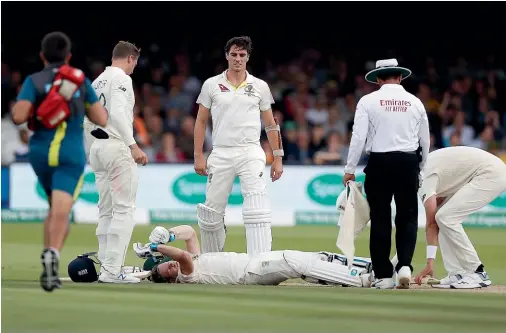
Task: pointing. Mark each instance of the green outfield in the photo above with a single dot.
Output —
(96, 308)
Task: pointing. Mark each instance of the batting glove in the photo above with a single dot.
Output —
(160, 235)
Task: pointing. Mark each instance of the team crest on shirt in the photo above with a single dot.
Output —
(223, 88)
(249, 89)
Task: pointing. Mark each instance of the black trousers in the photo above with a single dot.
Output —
(392, 174)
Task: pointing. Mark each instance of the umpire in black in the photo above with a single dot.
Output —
(392, 124)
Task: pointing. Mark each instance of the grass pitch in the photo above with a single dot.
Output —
(90, 308)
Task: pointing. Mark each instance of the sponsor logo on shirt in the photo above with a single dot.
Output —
(395, 105)
(223, 88)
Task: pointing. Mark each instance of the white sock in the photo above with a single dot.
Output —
(101, 233)
(56, 252)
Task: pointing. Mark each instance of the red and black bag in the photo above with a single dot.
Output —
(55, 108)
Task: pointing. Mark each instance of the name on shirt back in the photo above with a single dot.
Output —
(395, 105)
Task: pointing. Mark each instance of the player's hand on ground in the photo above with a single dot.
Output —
(347, 177)
(159, 235)
(427, 271)
(276, 169)
(139, 156)
(200, 165)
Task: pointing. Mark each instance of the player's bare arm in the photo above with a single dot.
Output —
(431, 234)
(97, 114)
(184, 258)
(274, 135)
(21, 111)
(199, 136)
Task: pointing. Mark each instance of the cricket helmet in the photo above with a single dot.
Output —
(82, 269)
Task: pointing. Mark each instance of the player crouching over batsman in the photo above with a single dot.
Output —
(268, 268)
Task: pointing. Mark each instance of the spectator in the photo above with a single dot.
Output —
(169, 153)
(319, 113)
(185, 137)
(459, 126)
(332, 154)
(290, 142)
(334, 122)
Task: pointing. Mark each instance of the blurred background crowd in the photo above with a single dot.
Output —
(315, 90)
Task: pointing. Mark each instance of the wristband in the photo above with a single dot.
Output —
(278, 153)
(431, 251)
(153, 247)
(172, 236)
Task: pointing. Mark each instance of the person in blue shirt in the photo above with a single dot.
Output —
(56, 155)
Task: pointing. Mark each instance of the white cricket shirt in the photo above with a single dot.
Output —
(217, 268)
(389, 119)
(115, 91)
(235, 111)
(448, 169)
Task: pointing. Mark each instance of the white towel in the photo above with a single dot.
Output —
(354, 217)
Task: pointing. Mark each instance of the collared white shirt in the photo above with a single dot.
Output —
(235, 111)
(389, 119)
(448, 169)
(115, 91)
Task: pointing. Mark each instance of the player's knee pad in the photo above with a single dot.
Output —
(212, 229)
(256, 208)
(209, 219)
(257, 222)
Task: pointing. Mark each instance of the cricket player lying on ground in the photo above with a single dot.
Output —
(268, 268)
(458, 181)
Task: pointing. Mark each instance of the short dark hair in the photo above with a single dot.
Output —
(243, 43)
(124, 50)
(389, 75)
(55, 46)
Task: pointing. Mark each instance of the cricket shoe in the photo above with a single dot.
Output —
(144, 251)
(49, 279)
(106, 277)
(445, 282)
(387, 283)
(403, 277)
(472, 281)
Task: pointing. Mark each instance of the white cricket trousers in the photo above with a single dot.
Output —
(457, 251)
(116, 178)
(224, 164)
(272, 268)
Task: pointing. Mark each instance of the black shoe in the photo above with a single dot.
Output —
(49, 279)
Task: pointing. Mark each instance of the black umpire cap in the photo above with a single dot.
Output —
(82, 269)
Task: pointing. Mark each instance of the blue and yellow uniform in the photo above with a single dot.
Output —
(57, 155)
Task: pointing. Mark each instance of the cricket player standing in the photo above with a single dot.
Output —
(457, 182)
(236, 100)
(113, 157)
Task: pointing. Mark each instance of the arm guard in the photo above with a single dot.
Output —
(276, 152)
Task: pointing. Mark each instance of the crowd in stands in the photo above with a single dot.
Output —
(315, 103)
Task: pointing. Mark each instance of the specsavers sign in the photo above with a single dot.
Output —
(304, 195)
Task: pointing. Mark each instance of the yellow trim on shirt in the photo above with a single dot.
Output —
(79, 186)
(54, 147)
(243, 83)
